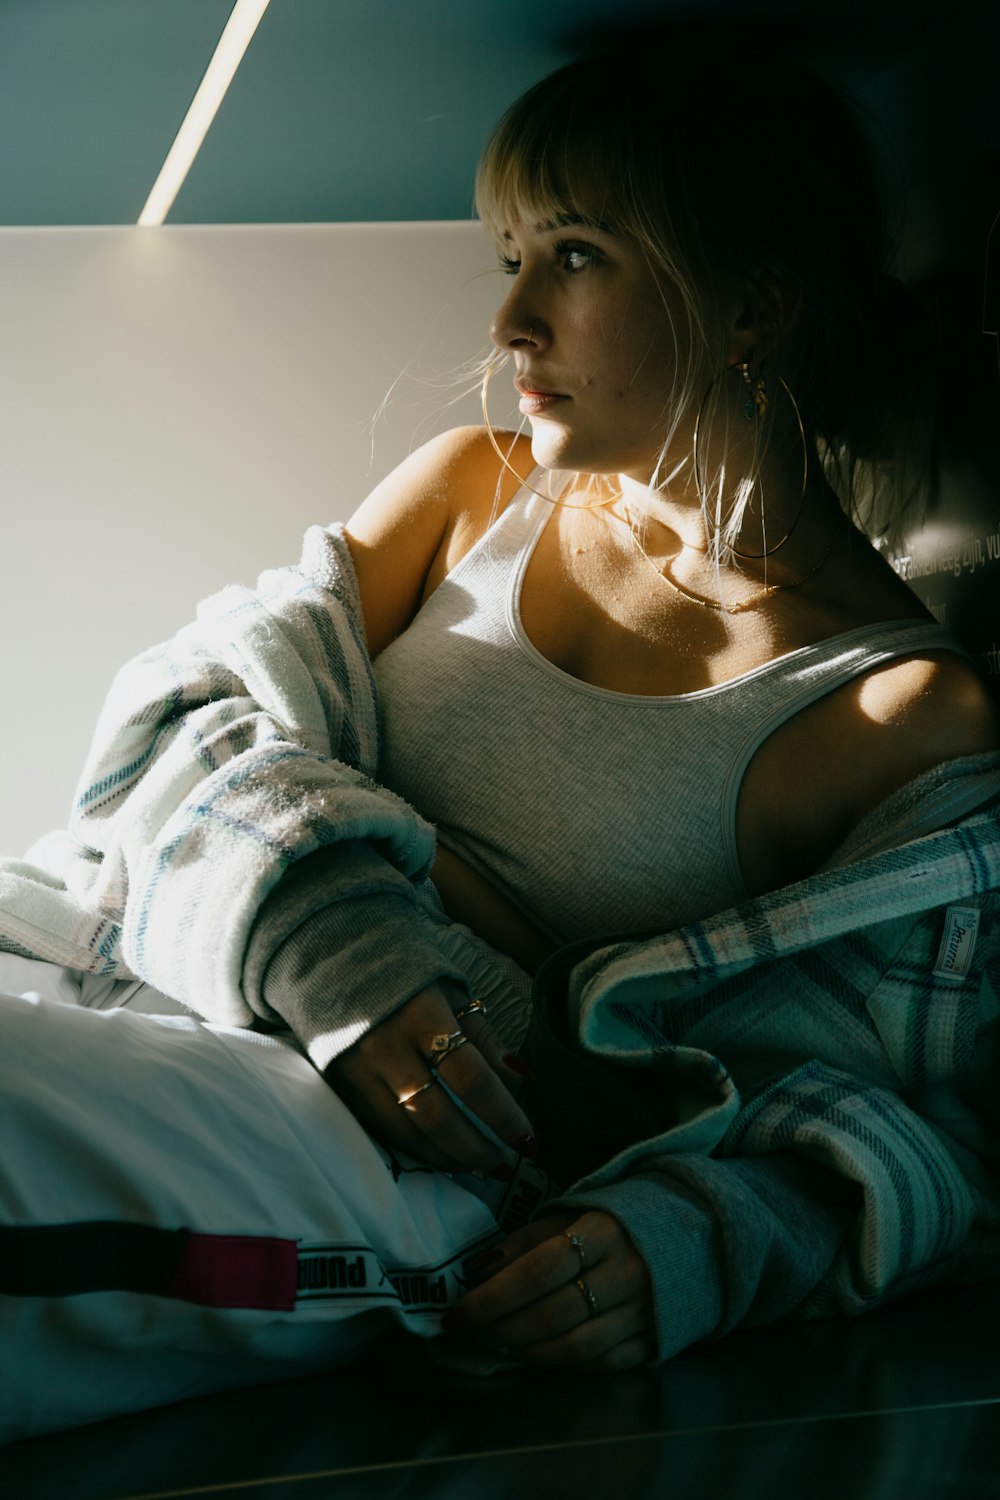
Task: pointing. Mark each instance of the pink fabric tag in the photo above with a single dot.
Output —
(220, 1270)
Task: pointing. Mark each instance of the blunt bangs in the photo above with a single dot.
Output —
(549, 159)
(567, 151)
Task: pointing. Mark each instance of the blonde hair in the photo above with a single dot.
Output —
(778, 199)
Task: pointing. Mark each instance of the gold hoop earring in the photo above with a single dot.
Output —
(492, 366)
(754, 409)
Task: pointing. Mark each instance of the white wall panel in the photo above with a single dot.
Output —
(177, 406)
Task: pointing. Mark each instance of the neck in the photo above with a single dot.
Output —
(711, 506)
(796, 530)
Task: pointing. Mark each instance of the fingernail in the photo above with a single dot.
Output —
(486, 1262)
(519, 1066)
(503, 1173)
(527, 1146)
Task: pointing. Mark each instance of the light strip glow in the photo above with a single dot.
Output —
(234, 41)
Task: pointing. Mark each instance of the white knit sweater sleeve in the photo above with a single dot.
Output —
(222, 758)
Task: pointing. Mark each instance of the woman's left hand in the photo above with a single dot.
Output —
(565, 1290)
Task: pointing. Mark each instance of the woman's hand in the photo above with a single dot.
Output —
(393, 1079)
(565, 1290)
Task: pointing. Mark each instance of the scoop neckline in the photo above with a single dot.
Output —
(519, 634)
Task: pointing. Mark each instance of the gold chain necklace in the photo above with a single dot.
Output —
(728, 609)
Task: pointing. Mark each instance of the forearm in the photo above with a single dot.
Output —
(338, 946)
(728, 1243)
(222, 760)
(825, 1196)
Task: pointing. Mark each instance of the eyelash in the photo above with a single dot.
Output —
(562, 250)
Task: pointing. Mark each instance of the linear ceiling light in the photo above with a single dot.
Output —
(234, 41)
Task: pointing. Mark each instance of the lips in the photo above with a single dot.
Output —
(535, 401)
(529, 388)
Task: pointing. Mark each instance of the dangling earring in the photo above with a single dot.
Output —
(492, 366)
(756, 402)
(755, 409)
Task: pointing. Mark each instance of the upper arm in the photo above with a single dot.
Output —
(820, 774)
(420, 520)
(916, 714)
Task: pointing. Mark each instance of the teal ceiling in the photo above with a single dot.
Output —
(342, 110)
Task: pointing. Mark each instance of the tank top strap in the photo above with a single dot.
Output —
(506, 545)
(782, 688)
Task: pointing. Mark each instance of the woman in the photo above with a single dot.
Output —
(688, 682)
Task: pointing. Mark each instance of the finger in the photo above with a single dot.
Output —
(542, 1308)
(443, 1128)
(423, 1119)
(611, 1326)
(388, 1121)
(571, 1313)
(542, 1258)
(529, 1235)
(523, 1284)
(562, 1330)
(381, 1075)
(418, 1041)
(486, 1098)
(624, 1356)
(478, 1029)
(493, 1260)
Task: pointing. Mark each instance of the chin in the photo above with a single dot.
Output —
(553, 447)
(548, 444)
(558, 451)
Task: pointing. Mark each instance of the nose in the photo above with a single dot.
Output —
(518, 323)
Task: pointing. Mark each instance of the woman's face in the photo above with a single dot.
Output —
(588, 330)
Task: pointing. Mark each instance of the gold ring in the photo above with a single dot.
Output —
(474, 1008)
(577, 1244)
(587, 1296)
(442, 1045)
(405, 1098)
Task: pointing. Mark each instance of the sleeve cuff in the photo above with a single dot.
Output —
(338, 946)
(677, 1237)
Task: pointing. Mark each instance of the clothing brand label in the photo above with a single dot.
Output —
(354, 1273)
(958, 942)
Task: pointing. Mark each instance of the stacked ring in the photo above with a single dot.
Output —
(443, 1045)
(412, 1093)
(577, 1244)
(588, 1297)
(474, 1008)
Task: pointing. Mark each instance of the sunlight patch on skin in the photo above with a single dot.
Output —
(889, 694)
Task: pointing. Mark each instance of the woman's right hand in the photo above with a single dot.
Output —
(393, 1082)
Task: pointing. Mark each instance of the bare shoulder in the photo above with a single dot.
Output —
(406, 532)
(914, 714)
(940, 694)
(836, 760)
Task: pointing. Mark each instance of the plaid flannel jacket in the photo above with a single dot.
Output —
(828, 1056)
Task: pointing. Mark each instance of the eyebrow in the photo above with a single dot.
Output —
(566, 221)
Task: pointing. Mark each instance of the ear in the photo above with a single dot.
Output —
(769, 308)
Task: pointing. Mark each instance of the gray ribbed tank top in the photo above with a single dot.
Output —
(595, 812)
